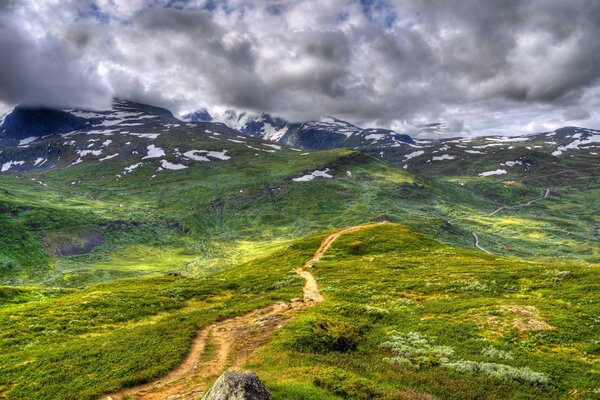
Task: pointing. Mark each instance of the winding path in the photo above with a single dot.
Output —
(478, 245)
(528, 203)
(234, 340)
(524, 204)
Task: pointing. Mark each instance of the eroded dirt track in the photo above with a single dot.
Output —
(231, 342)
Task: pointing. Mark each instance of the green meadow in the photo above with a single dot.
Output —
(105, 281)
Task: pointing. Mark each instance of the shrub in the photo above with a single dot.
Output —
(7, 264)
(356, 247)
(323, 335)
(493, 352)
(346, 384)
(414, 349)
(499, 371)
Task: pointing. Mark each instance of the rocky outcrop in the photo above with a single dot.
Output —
(66, 244)
(238, 385)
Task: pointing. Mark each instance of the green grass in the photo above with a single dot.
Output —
(213, 216)
(389, 279)
(405, 316)
(82, 343)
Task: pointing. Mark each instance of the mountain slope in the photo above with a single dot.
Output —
(139, 189)
(208, 224)
(326, 134)
(482, 156)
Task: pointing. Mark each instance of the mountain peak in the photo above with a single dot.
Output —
(200, 115)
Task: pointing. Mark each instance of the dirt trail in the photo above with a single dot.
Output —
(525, 204)
(477, 243)
(234, 340)
(528, 203)
(311, 289)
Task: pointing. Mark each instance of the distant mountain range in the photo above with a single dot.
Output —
(38, 138)
(328, 133)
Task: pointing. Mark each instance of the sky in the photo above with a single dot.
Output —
(474, 66)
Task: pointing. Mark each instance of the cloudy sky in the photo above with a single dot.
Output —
(477, 66)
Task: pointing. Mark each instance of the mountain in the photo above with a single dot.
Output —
(25, 122)
(443, 268)
(328, 133)
(201, 115)
(571, 150)
(44, 138)
(477, 155)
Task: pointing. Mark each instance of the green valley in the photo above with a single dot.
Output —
(116, 271)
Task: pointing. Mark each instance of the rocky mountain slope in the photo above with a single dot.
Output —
(325, 134)
(480, 155)
(39, 139)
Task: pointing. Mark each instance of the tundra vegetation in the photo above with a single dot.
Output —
(106, 281)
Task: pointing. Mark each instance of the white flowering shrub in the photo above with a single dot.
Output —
(493, 352)
(415, 350)
(502, 372)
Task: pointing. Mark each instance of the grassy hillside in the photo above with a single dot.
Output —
(111, 266)
(404, 316)
(212, 216)
(78, 344)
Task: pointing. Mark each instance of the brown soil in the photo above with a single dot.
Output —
(234, 340)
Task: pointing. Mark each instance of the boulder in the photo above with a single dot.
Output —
(238, 385)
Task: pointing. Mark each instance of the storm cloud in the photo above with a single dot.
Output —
(473, 66)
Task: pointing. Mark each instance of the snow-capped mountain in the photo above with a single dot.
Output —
(33, 139)
(24, 122)
(201, 115)
(328, 133)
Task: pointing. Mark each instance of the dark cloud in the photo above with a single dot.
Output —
(576, 114)
(472, 65)
(45, 71)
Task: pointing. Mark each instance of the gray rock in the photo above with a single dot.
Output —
(238, 385)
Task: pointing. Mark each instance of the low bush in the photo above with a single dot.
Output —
(346, 384)
(500, 371)
(323, 335)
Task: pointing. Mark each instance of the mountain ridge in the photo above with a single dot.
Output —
(43, 138)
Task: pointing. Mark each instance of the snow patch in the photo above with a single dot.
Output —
(131, 168)
(474, 152)
(10, 164)
(269, 132)
(443, 157)
(275, 146)
(154, 152)
(313, 175)
(105, 132)
(109, 157)
(26, 141)
(39, 161)
(201, 155)
(510, 139)
(193, 156)
(375, 136)
(512, 163)
(413, 154)
(174, 167)
(86, 114)
(495, 172)
(145, 135)
(83, 153)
